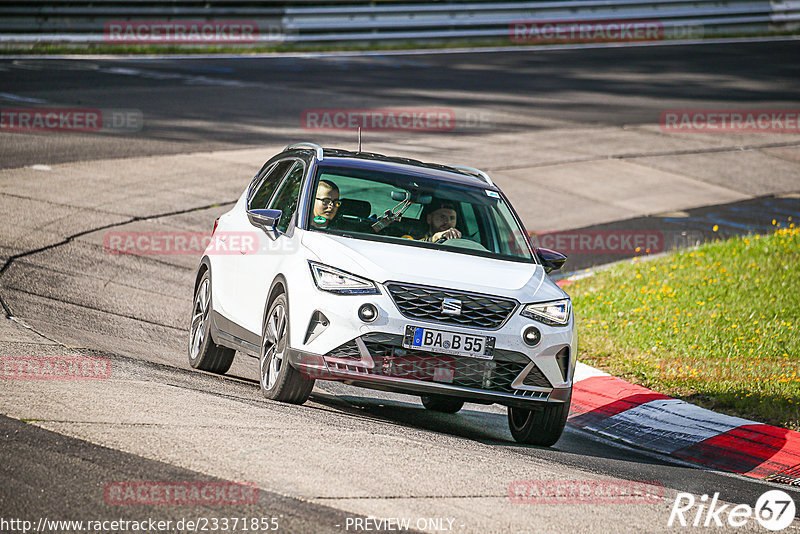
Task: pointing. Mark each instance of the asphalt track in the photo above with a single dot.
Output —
(206, 104)
(573, 138)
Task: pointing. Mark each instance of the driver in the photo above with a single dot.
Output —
(326, 204)
(441, 221)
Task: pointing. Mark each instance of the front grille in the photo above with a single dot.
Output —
(391, 359)
(536, 378)
(425, 303)
(348, 351)
(528, 393)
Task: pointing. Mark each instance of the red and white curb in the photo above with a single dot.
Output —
(640, 417)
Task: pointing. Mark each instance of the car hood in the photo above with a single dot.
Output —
(383, 262)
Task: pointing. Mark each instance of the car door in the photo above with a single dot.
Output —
(228, 267)
(258, 268)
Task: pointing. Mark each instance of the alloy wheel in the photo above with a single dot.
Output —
(199, 325)
(272, 346)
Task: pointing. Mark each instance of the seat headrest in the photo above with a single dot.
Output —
(358, 208)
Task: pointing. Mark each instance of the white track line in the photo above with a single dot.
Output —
(16, 98)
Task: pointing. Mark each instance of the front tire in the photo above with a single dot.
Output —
(279, 380)
(204, 354)
(438, 403)
(542, 426)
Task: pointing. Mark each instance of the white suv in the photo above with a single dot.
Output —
(392, 274)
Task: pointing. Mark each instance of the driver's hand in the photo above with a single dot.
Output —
(450, 233)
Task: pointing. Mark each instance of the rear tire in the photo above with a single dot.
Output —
(279, 380)
(442, 404)
(204, 354)
(539, 427)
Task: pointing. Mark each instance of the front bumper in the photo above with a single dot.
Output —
(378, 361)
(331, 342)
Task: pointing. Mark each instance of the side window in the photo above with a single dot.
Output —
(485, 220)
(287, 196)
(269, 184)
(511, 241)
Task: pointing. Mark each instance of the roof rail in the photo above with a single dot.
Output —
(475, 172)
(312, 146)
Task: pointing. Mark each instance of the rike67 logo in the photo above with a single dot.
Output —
(774, 510)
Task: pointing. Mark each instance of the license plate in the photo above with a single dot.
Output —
(445, 342)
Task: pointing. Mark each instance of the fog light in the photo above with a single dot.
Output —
(531, 336)
(367, 313)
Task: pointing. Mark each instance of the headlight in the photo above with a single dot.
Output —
(336, 281)
(554, 313)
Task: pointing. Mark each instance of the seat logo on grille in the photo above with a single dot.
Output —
(451, 306)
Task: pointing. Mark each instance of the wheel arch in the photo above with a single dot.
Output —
(205, 266)
(279, 285)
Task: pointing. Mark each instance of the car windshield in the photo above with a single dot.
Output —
(416, 211)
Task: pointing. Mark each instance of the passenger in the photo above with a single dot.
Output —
(326, 204)
(441, 218)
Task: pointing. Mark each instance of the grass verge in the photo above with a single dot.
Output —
(47, 48)
(718, 326)
(243, 50)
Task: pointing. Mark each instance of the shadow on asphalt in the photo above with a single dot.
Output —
(477, 425)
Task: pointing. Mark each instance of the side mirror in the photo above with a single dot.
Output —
(264, 219)
(551, 259)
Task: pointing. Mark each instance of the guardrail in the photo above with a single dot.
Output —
(307, 22)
